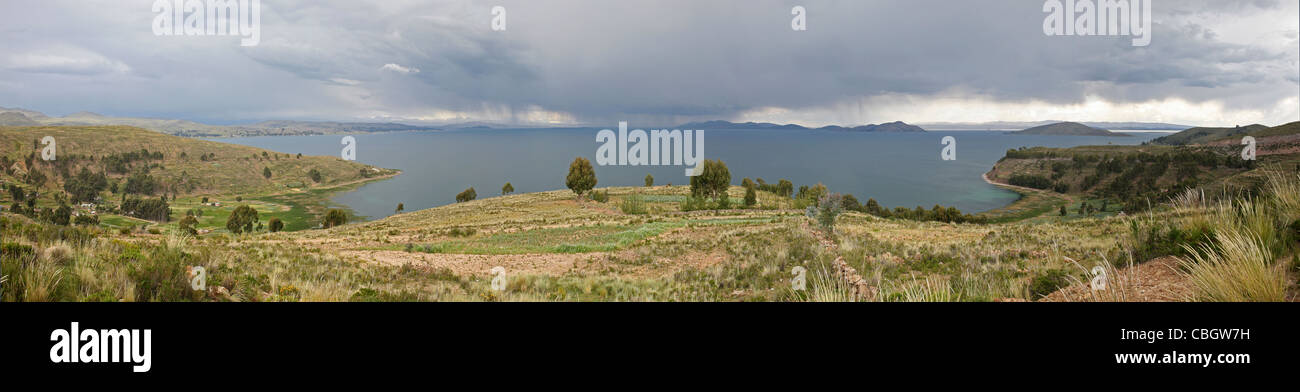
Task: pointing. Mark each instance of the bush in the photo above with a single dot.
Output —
(1043, 285)
(266, 172)
(275, 225)
(187, 224)
(466, 195)
(14, 251)
(829, 207)
(649, 180)
(507, 189)
(313, 173)
(751, 197)
(334, 217)
(602, 197)
(693, 204)
(633, 204)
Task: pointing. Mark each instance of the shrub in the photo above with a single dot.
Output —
(649, 180)
(1048, 283)
(581, 176)
(13, 250)
(751, 197)
(313, 173)
(466, 195)
(266, 172)
(633, 204)
(335, 217)
(507, 189)
(693, 203)
(602, 197)
(186, 225)
(275, 225)
(829, 207)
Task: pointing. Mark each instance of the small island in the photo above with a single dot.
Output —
(1068, 129)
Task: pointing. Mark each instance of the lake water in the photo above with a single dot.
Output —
(895, 169)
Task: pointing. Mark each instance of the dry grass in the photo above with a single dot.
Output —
(1238, 268)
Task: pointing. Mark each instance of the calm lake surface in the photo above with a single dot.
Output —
(895, 169)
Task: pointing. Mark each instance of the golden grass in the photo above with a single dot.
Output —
(1239, 268)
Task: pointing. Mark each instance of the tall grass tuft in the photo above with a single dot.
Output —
(826, 287)
(1238, 268)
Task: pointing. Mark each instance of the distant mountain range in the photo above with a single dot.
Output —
(1010, 125)
(23, 117)
(895, 127)
(1067, 129)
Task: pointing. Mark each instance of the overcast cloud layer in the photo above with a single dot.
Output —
(1210, 62)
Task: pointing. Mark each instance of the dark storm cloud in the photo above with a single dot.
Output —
(602, 61)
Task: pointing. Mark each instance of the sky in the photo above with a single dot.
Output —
(653, 63)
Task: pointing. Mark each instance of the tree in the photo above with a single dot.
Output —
(266, 172)
(466, 195)
(851, 203)
(241, 219)
(335, 217)
(313, 173)
(785, 187)
(582, 177)
(400, 208)
(507, 189)
(873, 207)
(751, 197)
(275, 225)
(649, 180)
(186, 225)
(1063, 211)
(713, 181)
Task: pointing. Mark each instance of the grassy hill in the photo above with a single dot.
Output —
(184, 169)
(1203, 135)
(555, 247)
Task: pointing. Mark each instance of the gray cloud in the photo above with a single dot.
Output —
(640, 60)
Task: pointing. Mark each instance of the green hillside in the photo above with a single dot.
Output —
(138, 163)
(1202, 135)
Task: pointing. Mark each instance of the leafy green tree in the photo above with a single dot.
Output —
(242, 219)
(873, 207)
(275, 225)
(335, 217)
(649, 180)
(713, 180)
(785, 188)
(851, 203)
(466, 195)
(582, 177)
(507, 189)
